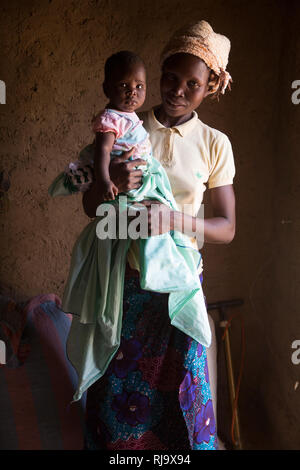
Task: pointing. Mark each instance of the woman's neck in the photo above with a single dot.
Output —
(170, 121)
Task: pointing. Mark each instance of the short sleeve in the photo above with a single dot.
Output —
(108, 121)
(222, 170)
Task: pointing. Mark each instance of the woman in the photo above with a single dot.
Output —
(136, 405)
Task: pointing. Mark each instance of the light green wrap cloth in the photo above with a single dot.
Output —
(94, 291)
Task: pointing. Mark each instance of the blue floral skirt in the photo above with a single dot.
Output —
(155, 394)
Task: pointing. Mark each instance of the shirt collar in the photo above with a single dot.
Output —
(182, 129)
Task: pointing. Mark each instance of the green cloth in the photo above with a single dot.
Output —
(94, 289)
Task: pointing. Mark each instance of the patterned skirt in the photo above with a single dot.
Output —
(155, 394)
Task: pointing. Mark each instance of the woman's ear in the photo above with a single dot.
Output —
(212, 83)
(209, 91)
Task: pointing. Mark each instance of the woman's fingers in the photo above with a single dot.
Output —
(158, 219)
(136, 174)
(134, 179)
(134, 163)
(123, 171)
(149, 202)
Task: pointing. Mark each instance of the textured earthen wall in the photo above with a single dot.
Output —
(52, 55)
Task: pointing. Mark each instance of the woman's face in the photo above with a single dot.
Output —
(183, 84)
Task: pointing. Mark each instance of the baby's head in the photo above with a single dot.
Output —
(125, 81)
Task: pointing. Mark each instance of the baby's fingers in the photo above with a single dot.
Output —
(126, 155)
(109, 196)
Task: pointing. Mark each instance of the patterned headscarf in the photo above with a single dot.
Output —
(200, 40)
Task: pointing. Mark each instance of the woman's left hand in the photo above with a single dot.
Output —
(160, 217)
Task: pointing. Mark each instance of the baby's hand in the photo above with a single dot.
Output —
(108, 190)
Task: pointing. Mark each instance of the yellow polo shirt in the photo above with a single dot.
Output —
(194, 156)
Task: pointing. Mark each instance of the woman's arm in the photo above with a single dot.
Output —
(217, 229)
(221, 227)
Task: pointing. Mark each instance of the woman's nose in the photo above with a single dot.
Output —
(178, 89)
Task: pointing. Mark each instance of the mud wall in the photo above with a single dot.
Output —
(52, 55)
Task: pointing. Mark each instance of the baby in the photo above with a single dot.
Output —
(117, 127)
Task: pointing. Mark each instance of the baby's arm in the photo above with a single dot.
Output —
(104, 143)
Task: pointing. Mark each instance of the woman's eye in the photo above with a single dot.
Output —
(193, 84)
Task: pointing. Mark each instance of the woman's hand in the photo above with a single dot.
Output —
(124, 173)
(160, 217)
(217, 229)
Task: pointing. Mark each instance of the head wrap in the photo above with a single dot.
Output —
(200, 40)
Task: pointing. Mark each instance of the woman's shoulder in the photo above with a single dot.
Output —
(215, 148)
(210, 134)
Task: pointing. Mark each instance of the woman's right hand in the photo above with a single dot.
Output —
(124, 175)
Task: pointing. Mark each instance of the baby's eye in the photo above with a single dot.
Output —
(140, 86)
(123, 85)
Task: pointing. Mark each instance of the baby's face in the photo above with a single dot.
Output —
(127, 91)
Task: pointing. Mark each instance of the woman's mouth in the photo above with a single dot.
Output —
(174, 104)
